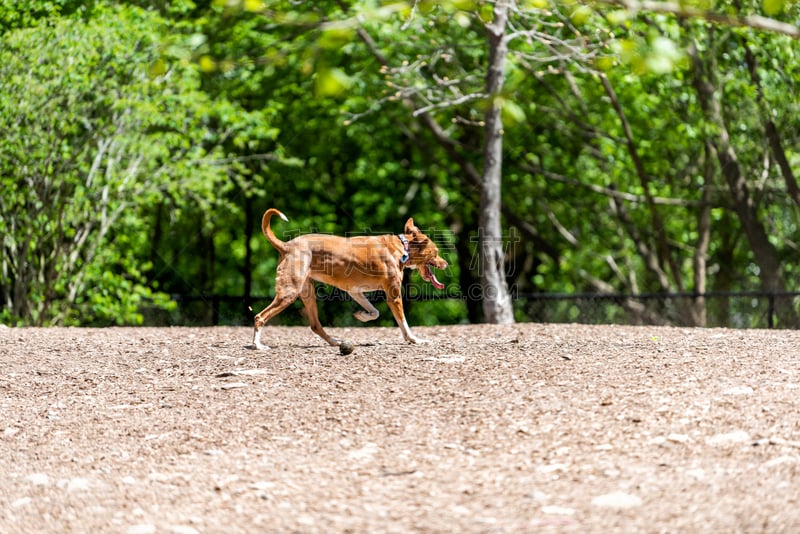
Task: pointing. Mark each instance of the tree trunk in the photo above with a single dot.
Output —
(744, 205)
(497, 305)
(698, 310)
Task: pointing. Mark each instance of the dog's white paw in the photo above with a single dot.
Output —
(416, 340)
(257, 341)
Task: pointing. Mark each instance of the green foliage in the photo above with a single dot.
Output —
(143, 141)
(16, 14)
(90, 136)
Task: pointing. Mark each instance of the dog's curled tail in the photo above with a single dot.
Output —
(268, 233)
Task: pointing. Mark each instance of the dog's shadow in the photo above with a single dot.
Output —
(306, 346)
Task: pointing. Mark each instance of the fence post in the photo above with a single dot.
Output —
(771, 310)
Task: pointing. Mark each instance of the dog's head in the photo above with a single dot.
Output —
(423, 254)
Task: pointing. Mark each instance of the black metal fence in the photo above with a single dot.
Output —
(745, 309)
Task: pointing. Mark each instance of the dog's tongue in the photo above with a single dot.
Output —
(436, 283)
(427, 274)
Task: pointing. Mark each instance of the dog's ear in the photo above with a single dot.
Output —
(410, 229)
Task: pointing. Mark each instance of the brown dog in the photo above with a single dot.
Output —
(353, 264)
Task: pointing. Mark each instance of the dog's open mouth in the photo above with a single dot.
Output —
(426, 271)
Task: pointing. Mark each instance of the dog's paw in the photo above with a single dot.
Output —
(257, 345)
(416, 340)
(257, 341)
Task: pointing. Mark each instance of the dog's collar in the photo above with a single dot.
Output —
(404, 240)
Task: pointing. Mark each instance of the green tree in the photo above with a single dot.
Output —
(591, 102)
(642, 141)
(640, 147)
(94, 129)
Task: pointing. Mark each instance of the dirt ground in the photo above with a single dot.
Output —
(523, 428)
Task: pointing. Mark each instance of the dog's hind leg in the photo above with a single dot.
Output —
(369, 313)
(287, 288)
(309, 299)
(278, 304)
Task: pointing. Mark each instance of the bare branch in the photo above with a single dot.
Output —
(606, 191)
(681, 10)
(449, 103)
(566, 234)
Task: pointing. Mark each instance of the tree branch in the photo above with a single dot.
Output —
(681, 10)
(605, 191)
(663, 252)
(449, 103)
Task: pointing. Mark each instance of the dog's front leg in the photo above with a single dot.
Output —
(395, 303)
